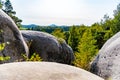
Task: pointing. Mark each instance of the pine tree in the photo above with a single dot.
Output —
(74, 38)
(8, 7)
(9, 10)
(86, 50)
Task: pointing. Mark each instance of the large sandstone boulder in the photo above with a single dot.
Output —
(12, 38)
(48, 47)
(107, 62)
(43, 71)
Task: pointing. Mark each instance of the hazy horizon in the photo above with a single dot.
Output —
(63, 12)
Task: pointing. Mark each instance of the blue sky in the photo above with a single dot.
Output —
(63, 12)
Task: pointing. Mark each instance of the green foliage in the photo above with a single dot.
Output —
(21, 28)
(4, 58)
(67, 34)
(8, 7)
(115, 22)
(74, 38)
(34, 57)
(60, 40)
(98, 33)
(2, 46)
(9, 10)
(49, 29)
(58, 33)
(86, 50)
(75, 35)
(81, 60)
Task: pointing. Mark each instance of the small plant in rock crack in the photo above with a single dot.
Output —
(2, 46)
(34, 57)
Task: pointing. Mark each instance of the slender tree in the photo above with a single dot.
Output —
(8, 7)
(9, 10)
(74, 37)
(86, 50)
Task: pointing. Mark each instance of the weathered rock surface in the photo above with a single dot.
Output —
(107, 63)
(48, 47)
(43, 71)
(11, 36)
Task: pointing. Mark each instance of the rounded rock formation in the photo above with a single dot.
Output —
(10, 36)
(48, 47)
(107, 62)
(43, 71)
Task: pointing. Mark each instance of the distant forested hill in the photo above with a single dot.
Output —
(48, 29)
(29, 26)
